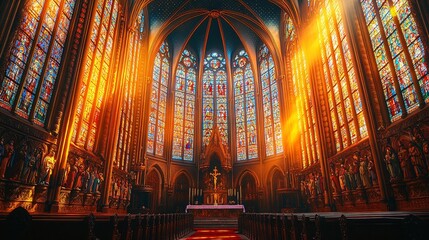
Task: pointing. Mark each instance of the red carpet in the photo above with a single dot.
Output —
(215, 234)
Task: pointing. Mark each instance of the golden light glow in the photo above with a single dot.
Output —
(309, 39)
(292, 127)
(393, 11)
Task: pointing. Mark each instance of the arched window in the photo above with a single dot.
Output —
(344, 100)
(304, 109)
(95, 74)
(271, 103)
(122, 155)
(399, 55)
(184, 109)
(215, 97)
(245, 107)
(158, 100)
(35, 57)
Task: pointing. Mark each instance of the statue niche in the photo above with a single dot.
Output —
(215, 171)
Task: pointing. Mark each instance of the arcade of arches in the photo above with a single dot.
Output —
(151, 105)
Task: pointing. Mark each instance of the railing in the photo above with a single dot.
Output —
(21, 225)
(335, 226)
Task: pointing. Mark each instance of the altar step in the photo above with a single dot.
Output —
(215, 223)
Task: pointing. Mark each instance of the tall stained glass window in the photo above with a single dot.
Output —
(245, 108)
(35, 57)
(184, 107)
(304, 108)
(95, 73)
(215, 97)
(399, 54)
(122, 155)
(344, 100)
(271, 103)
(158, 100)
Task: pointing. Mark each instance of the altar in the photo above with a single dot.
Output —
(215, 211)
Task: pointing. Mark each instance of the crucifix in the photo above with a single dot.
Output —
(215, 173)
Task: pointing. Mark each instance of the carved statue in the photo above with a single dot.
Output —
(404, 158)
(417, 160)
(426, 153)
(71, 175)
(28, 173)
(215, 174)
(48, 166)
(392, 163)
(364, 176)
(16, 165)
(2, 150)
(97, 181)
(8, 153)
(371, 170)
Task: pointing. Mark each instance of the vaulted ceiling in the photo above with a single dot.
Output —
(215, 25)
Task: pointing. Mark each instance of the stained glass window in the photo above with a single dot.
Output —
(158, 100)
(35, 57)
(271, 103)
(215, 106)
(345, 104)
(245, 108)
(399, 54)
(184, 109)
(95, 74)
(290, 32)
(305, 109)
(122, 155)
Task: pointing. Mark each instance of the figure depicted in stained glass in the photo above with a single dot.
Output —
(158, 101)
(382, 20)
(215, 96)
(183, 136)
(245, 114)
(43, 63)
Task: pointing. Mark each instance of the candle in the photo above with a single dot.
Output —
(189, 200)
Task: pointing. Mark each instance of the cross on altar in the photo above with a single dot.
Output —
(215, 173)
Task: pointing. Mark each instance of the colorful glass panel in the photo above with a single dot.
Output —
(215, 92)
(340, 78)
(122, 154)
(245, 110)
(184, 109)
(158, 108)
(38, 46)
(270, 102)
(95, 74)
(392, 20)
(304, 108)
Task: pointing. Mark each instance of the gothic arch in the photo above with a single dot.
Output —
(275, 180)
(243, 174)
(191, 180)
(155, 179)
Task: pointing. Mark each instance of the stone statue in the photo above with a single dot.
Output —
(48, 166)
(215, 174)
(8, 153)
(392, 163)
(417, 161)
(404, 159)
(17, 164)
(364, 175)
(426, 153)
(2, 153)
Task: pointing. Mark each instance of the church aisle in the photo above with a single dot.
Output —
(215, 234)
